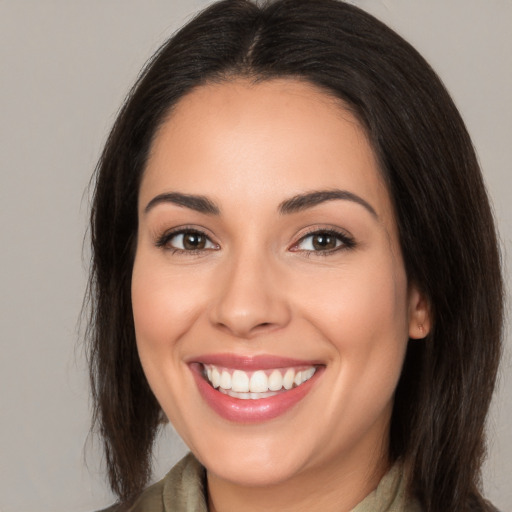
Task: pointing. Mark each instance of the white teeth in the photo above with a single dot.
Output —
(240, 384)
(225, 380)
(307, 374)
(275, 381)
(240, 381)
(247, 396)
(215, 378)
(259, 382)
(288, 379)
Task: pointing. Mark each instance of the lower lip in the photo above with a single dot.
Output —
(251, 411)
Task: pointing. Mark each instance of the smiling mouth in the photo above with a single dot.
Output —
(255, 385)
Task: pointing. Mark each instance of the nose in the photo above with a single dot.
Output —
(250, 298)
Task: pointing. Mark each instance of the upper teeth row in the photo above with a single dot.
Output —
(259, 382)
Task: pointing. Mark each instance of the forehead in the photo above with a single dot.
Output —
(271, 138)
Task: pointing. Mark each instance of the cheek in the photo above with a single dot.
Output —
(367, 304)
(362, 315)
(164, 306)
(367, 327)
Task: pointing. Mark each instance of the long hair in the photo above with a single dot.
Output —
(445, 224)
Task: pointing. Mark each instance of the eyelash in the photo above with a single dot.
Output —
(347, 242)
(164, 240)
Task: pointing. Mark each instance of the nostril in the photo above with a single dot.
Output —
(264, 327)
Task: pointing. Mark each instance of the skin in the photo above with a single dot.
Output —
(260, 287)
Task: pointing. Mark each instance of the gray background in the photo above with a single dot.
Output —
(65, 68)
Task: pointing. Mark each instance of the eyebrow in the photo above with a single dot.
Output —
(200, 204)
(295, 204)
(308, 200)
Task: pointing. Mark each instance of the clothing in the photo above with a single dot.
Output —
(183, 490)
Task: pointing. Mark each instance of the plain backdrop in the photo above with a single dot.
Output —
(65, 69)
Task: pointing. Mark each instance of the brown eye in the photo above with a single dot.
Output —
(324, 241)
(193, 241)
(186, 241)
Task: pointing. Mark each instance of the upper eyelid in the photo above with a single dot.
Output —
(346, 238)
(167, 235)
(164, 238)
(316, 230)
(184, 229)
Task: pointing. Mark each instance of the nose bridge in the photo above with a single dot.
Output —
(249, 299)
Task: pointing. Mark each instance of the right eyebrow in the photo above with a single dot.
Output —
(200, 204)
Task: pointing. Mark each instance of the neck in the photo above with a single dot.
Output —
(334, 487)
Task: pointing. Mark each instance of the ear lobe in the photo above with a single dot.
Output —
(419, 314)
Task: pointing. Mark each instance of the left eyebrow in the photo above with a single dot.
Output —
(301, 202)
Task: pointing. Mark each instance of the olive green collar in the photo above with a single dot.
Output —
(183, 490)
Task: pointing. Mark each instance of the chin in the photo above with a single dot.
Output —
(249, 461)
(254, 471)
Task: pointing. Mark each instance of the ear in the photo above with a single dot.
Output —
(420, 315)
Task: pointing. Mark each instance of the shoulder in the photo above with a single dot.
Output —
(181, 490)
(149, 501)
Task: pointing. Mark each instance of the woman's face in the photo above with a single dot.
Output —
(272, 310)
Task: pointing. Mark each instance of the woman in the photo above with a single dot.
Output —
(295, 262)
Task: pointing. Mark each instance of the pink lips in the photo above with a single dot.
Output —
(251, 411)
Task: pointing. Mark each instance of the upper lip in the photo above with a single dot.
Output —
(256, 362)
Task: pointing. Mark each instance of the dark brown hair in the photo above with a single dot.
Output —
(446, 229)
